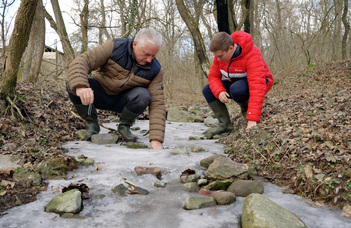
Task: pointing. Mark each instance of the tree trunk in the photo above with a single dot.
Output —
(222, 16)
(62, 33)
(246, 16)
(17, 45)
(197, 38)
(347, 29)
(102, 29)
(34, 52)
(84, 25)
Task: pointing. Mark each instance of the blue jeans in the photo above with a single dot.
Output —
(135, 100)
(237, 89)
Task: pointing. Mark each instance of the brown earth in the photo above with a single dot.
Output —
(303, 142)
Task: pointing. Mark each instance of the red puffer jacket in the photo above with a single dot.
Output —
(250, 64)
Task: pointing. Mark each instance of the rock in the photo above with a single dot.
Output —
(206, 162)
(189, 178)
(179, 150)
(56, 168)
(68, 202)
(137, 146)
(259, 211)
(246, 187)
(224, 168)
(176, 115)
(346, 211)
(202, 182)
(71, 216)
(198, 119)
(197, 149)
(196, 202)
(104, 139)
(203, 191)
(82, 160)
(156, 171)
(120, 190)
(223, 197)
(81, 134)
(191, 187)
(7, 165)
(211, 122)
(160, 184)
(140, 191)
(26, 177)
(99, 196)
(219, 185)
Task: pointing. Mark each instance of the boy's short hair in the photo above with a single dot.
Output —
(221, 41)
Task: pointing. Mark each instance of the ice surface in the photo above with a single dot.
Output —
(163, 206)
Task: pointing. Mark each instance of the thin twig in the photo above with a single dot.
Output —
(13, 105)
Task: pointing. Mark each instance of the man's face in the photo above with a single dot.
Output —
(224, 56)
(144, 55)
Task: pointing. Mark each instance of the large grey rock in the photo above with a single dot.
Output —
(246, 187)
(261, 212)
(104, 139)
(68, 202)
(177, 115)
(197, 202)
(223, 168)
(206, 162)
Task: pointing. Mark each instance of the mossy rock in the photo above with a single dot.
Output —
(137, 146)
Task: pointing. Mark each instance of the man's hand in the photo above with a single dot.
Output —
(86, 95)
(156, 145)
(223, 97)
(251, 124)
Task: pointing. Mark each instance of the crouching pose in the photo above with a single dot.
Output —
(247, 79)
(127, 78)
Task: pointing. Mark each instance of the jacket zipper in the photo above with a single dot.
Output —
(129, 75)
(228, 68)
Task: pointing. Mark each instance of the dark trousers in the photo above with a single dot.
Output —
(237, 89)
(135, 100)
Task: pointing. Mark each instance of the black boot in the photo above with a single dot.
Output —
(221, 112)
(243, 107)
(91, 121)
(127, 118)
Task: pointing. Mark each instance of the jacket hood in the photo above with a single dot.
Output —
(244, 40)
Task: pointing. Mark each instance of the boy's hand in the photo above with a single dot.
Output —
(223, 97)
(251, 124)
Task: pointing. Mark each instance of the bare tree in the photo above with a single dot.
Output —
(222, 16)
(84, 17)
(5, 4)
(59, 27)
(17, 45)
(347, 29)
(194, 29)
(34, 52)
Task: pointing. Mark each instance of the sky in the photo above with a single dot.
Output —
(51, 37)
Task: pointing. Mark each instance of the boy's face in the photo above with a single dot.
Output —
(224, 56)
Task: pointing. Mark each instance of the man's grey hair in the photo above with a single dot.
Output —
(148, 35)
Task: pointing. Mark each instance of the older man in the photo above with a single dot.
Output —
(126, 79)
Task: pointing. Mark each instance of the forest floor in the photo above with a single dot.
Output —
(303, 142)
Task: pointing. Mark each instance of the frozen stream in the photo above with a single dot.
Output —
(162, 208)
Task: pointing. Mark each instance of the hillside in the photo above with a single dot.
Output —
(303, 142)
